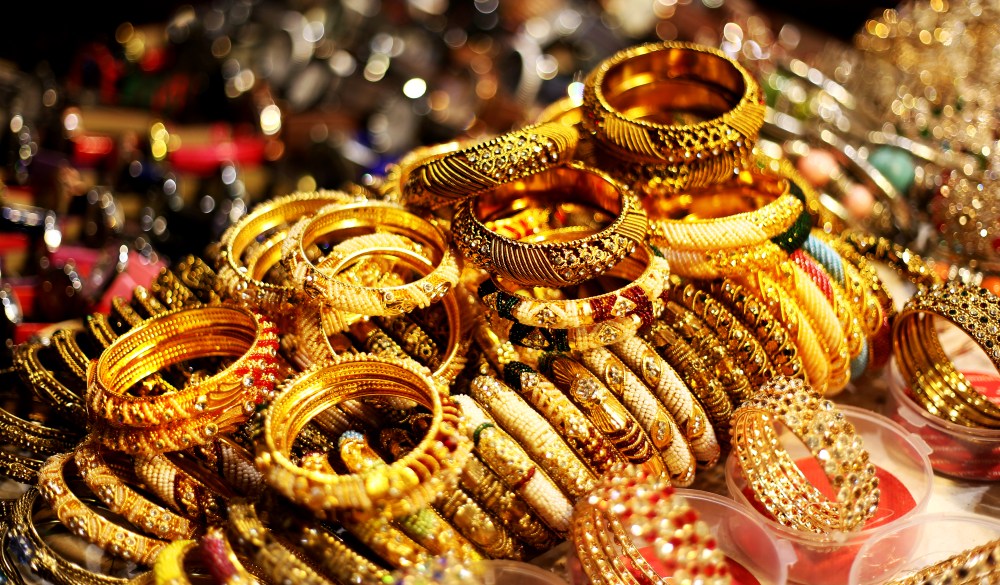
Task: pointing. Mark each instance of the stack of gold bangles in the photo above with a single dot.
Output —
(511, 342)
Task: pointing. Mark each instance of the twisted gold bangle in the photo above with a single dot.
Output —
(451, 173)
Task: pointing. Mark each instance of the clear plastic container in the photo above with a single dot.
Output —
(826, 559)
(957, 450)
(919, 542)
(743, 539)
(514, 573)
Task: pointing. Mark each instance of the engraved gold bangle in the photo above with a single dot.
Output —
(245, 283)
(675, 395)
(908, 264)
(933, 379)
(538, 438)
(606, 412)
(323, 285)
(193, 276)
(107, 484)
(451, 173)
(629, 98)
(218, 330)
(651, 415)
(405, 485)
(200, 498)
(514, 467)
(575, 338)
(645, 271)
(779, 485)
(557, 263)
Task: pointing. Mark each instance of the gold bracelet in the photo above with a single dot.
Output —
(107, 484)
(908, 264)
(651, 415)
(778, 483)
(538, 438)
(647, 275)
(428, 529)
(247, 286)
(576, 338)
(451, 173)
(47, 386)
(171, 292)
(186, 494)
(193, 276)
(630, 97)
(20, 468)
(556, 263)
(33, 436)
(322, 284)
(634, 507)
(218, 330)
(933, 380)
(330, 553)
(387, 541)
(516, 469)
(975, 565)
(405, 485)
(606, 412)
(674, 394)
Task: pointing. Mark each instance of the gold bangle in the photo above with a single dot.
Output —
(477, 526)
(699, 378)
(634, 507)
(387, 541)
(194, 276)
(278, 214)
(219, 330)
(50, 388)
(934, 381)
(20, 468)
(33, 436)
(646, 272)
(575, 338)
(514, 467)
(557, 263)
(606, 412)
(323, 285)
(976, 565)
(451, 173)
(779, 485)
(628, 97)
(169, 566)
(486, 488)
(425, 526)
(538, 438)
(908, 264)
(651, 415)
(171, 292)
(187, 495)
(274, 558)
(675, 395)
(399, 489)
(330, 553)
(108, 485)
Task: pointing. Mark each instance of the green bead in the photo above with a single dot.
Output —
(896, 164)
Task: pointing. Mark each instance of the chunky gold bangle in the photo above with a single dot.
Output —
(629, 98)
(218, 330)
(245, 284)
(514, 467)
(322, 284)
(635, 508)
(425, 526)
(477, 526)
(607, 413)
(451, 173)
(330, 554)
(675, 395)
(402, 487)
(192, 277)
(260, 545)
(382, 537)
(779, 485)
(932, 378)
(538, 438)
(169, 566)
(186, 494)
(575, 338)
(108, 485)
(651, 415)
(645, 271)
(556, 263)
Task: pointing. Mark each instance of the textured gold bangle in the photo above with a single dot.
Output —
(201, 498)
(36, 437)
(399, 489)
(476, 525)
(698, 377)
(645, 271)
(387, 541)
(171, 292)
(506, 505)
(633, 508)
(538, 438)
(557, 263)
(49, 388)
(514, 467)
(976, 565)
(20, 468)
(194, 276)
(108, 485)
(277, 214)
(713, 353)
(169, 566)
(908, 264)
(779, 484)
(630, 98)
(606, 412)
(425, 526)
(932, 378)
(651, 415)
(575, 338)
(675, 395)
(330, 554)
(451, 173)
